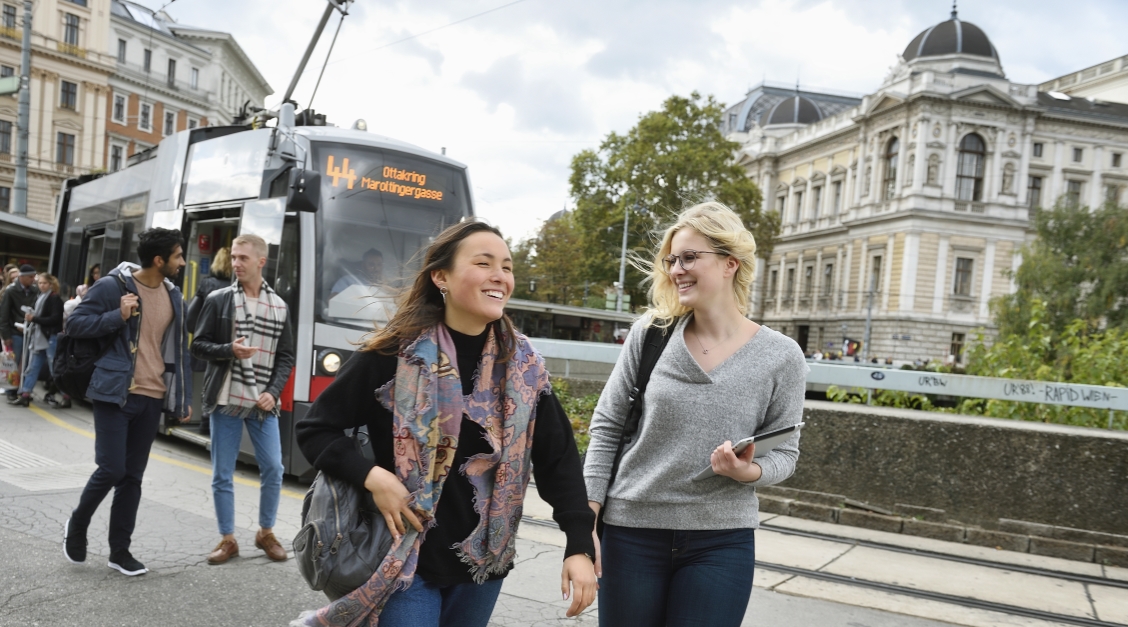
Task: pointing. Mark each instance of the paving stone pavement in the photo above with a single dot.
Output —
(176, 528)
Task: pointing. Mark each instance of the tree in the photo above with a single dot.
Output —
(672, 158)
(1077, 266)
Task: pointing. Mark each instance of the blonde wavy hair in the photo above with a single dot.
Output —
(726, 234)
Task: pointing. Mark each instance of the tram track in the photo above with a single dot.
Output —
(962, 601)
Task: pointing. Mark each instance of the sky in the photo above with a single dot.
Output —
(516, 89)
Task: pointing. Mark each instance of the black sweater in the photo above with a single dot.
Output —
(349, 402)
(51, 318)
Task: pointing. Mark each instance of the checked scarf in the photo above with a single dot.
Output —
(427, 404)
(263, 328)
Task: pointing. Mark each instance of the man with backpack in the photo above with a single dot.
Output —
(244, 335)
(142, 372)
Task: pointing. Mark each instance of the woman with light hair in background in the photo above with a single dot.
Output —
(675, 550)
(11, 271)
(43, 325)
(219, 276)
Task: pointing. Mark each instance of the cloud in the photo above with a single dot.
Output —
(545, 102)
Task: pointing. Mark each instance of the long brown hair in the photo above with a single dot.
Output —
(421, 307)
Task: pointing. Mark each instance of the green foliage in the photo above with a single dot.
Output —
(550, 260)
(1077, 267)
(1077, 354)
(672, 158)
(579, 410)
(881, 398)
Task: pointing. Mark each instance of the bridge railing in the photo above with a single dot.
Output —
(913, 381)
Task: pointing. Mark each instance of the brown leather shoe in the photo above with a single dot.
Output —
(225, 550)
(270, 545)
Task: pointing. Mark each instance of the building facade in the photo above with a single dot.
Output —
(908, 207)
(168, 78)
(69, 90)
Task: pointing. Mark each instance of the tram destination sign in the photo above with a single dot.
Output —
(406, 181)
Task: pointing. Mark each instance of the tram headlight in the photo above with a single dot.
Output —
(329, 361)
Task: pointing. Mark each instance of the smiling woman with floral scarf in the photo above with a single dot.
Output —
(459, 410)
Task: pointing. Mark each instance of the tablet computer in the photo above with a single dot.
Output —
(765, 442)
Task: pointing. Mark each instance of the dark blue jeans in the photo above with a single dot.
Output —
(667, 578)
(122, 439)
(427, 605)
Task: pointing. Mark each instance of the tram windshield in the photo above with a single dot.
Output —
(379, 208)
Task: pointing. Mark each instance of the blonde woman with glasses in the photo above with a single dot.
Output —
(678, 551)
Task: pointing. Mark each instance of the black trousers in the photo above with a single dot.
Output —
(123, 437)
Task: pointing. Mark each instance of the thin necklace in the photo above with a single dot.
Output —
(704, 350)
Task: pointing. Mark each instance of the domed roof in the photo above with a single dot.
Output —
(795, 110)
(953, 36)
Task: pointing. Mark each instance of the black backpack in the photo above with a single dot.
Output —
(75, 358)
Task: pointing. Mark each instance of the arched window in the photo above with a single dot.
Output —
(890, 181)
(969, 170)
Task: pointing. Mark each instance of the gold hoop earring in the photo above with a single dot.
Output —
(443, 292)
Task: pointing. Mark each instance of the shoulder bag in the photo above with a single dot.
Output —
(343, 537)
(653, 345)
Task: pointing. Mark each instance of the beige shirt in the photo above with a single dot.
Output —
(156, 315)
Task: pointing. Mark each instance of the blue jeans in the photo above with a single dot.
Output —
(122, 439)
(661, 577)
(226, 434)
(427, 605)
(35, 366)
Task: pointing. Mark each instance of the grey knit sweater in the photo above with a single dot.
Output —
(686, 414)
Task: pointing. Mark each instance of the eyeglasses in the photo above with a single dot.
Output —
(686, 259)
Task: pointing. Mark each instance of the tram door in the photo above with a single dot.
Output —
(207, 232)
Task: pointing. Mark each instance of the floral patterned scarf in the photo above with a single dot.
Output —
(427, 404)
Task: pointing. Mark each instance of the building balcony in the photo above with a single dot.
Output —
(824, 303)
(72, 50)
(970, 206)
(787, 302)
(11, 32)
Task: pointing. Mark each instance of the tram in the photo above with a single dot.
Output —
(344, 213)
(566, 322)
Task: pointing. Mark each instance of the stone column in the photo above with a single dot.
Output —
(859, 183)
(844, 283)
(988, 278)
(816, 289)
(780, 284)
(1096, 194)
(836, 289)
(902, 158)
(887, 272)
(1057, 182)
(941, 283)
(1022, 179)
(949, 167)
(804, 213)
(921, 165)
(909, 271)
(994, 173)
(84, 156)
(798, 286)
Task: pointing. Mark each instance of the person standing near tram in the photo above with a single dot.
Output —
(676, 551)
(144, 371)
(244, 335)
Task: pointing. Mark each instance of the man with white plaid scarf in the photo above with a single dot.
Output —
(244, 334)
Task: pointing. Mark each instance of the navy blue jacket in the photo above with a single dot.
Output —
(99, 315)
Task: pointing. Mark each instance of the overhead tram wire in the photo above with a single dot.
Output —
(438, 28)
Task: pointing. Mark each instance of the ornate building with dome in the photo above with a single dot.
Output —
(908, 206)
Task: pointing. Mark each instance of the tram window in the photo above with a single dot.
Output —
(372, 224)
